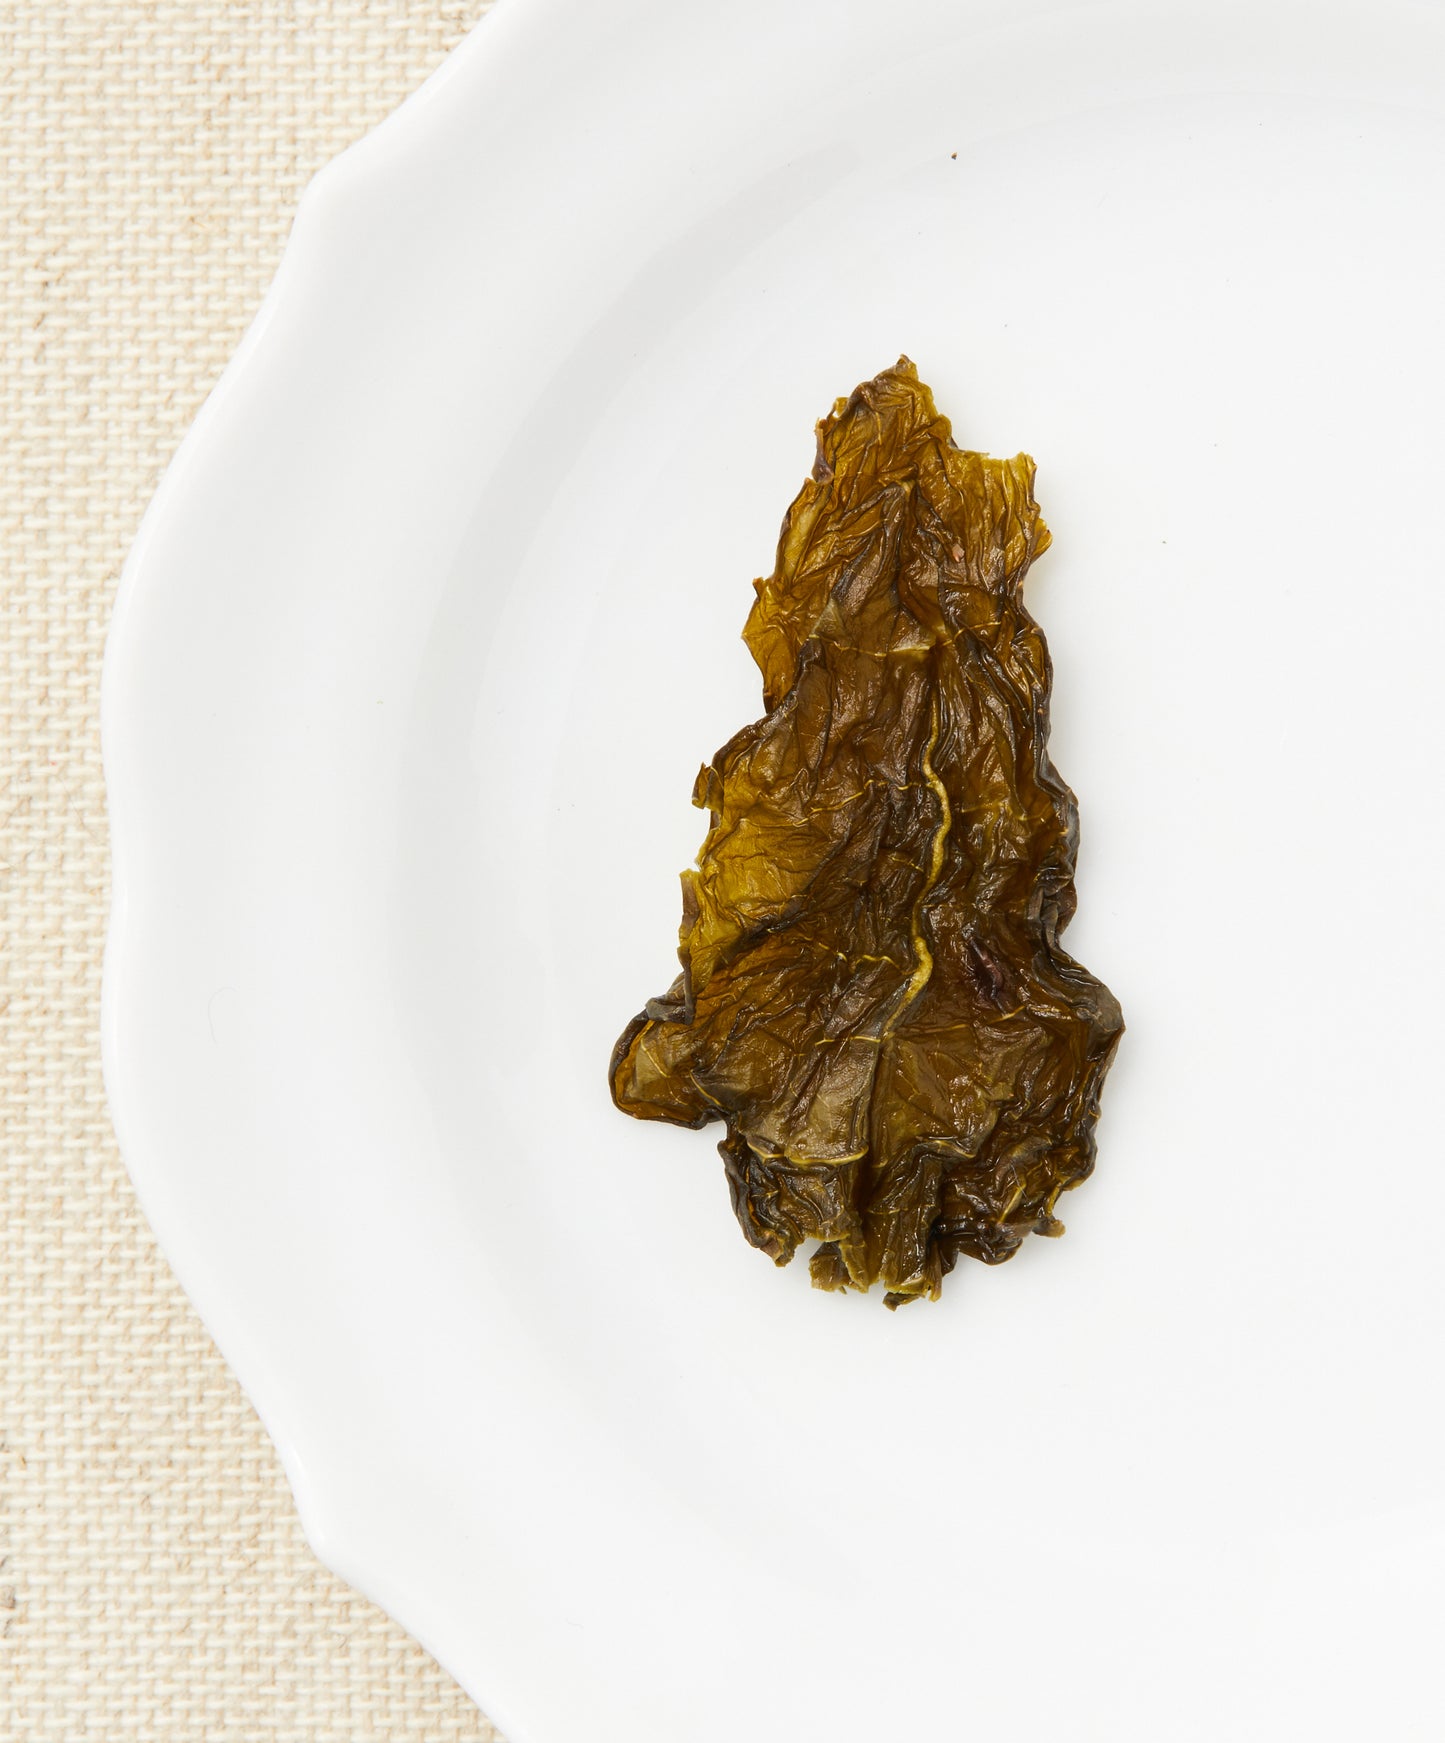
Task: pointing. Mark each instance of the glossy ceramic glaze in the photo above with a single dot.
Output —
(430, 625)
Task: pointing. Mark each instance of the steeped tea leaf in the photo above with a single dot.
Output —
(873, 998)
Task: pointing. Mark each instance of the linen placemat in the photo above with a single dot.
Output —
(154, 1582)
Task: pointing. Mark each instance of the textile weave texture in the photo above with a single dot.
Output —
(154, 1582)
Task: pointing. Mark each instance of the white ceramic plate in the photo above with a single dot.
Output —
(432, 622)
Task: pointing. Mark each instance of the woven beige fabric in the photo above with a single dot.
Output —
(155, 1584)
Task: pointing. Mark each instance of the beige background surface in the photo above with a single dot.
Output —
(154, 1583)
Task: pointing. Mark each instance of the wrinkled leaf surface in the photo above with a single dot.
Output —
(873, 997)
